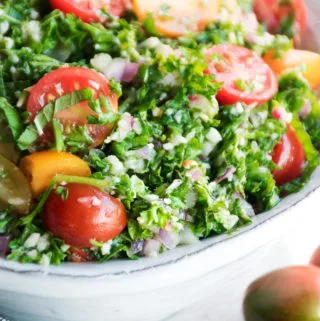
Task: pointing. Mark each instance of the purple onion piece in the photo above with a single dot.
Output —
(185, 216)
(305, 110)
(130, 71)
(151, 248)
(246, 205)
(145, 153)
(4, 245)
(137, 247)
(228, 173)
(169, 239)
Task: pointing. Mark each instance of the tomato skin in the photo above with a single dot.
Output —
(87, 214)
(239, 63)
(115, 7)
(289, 294)
(315, 260)
(271, 13)
(289, 156)
(64, 81)
(295, 58)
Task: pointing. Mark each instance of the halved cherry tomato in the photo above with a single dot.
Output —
(291, 59)
(245, 76)
(63, 81)
(289, 294)
(88, 10)
(289, 156)
(272, 13)
(41, 167)
(86, 214)
(179, 17)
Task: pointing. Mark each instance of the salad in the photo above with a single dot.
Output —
(129, 128)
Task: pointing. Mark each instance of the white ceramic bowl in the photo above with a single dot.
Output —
(200, 282)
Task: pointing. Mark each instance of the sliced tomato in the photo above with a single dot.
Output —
(179, 17)
(272, 13)
(64, 81)
(245, 76)
(290, 158)
(89, 10)
(86, 214)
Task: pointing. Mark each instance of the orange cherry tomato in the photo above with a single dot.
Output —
(63, 81)
(179, 17)
(294, 58)
(84, 214)
(88, 10)
(289, 156)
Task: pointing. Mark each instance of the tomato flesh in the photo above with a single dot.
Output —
(289, 156)
(272, 12)
(232, 66)
(78, 255)
(86, 214)
(64, 81)
(88, 10)
(179, 17)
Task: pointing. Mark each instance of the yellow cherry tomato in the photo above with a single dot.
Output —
(294, 58)
(179, 17)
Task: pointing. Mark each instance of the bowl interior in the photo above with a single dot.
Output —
(117, 267)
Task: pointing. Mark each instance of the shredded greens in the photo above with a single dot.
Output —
(177, 159)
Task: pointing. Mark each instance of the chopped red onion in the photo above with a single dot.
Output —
(281, 114)
(169, 239)
(246, 205)
(116, 69)
(130, 71)
(151, 248)
(195, 174)
(4, 245)
(227, 175)
(185, 216)
(187, 237)
(137, 247)
(248, 208)
(122, 70)
(146, 152)
(305, 110)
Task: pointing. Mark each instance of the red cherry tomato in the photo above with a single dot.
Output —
(272, 12)
(86, 214)
(289, 156)
(63, 81)
(88, 10)
(245, 76)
